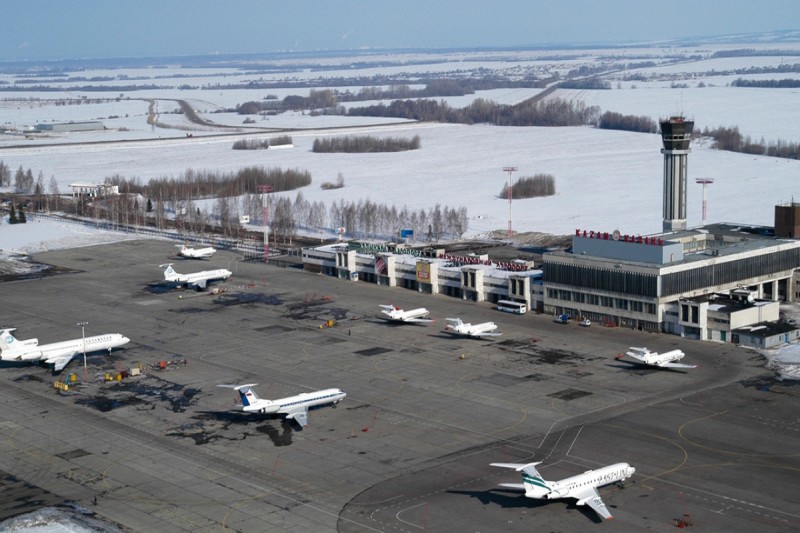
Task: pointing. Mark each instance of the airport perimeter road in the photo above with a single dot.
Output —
(409, 447)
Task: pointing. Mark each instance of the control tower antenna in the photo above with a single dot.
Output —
(704, 182)
(509, 170)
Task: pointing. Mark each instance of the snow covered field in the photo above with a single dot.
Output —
(605, 180)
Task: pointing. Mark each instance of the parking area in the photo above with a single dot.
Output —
(410, 446)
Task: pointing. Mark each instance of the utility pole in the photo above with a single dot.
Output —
(265, 190)
(509, 170)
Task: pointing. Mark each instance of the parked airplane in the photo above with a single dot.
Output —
(198, 280)
(293, 407)
(465, 329)
(196, 253)
(582, 487)
(58, 354)
(395, 314)
(650, 358)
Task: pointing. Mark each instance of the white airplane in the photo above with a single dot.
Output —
(663, 360)
(198, 280)
(293, 407)
(395, 314)
(58, 354)
(196, 253)
(465, 329)
(582, 487)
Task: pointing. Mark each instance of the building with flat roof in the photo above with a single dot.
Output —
(65, 127)
(428, 270)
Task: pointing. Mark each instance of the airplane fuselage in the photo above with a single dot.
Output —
(195, 279)
(397, 314)
(307, 400)
(654, 358)
(197, 253)
(565, 488)
(34, 352)
(471, 330)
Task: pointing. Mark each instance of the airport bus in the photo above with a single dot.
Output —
(511, 307)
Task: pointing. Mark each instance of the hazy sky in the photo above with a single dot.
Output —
(61, 29)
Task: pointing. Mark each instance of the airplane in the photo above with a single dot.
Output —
(292, 407)
(58, 354)
(395, 314)
(650, 358)
(582, 487)
(196, 253)
(465, 329)
(198, 280)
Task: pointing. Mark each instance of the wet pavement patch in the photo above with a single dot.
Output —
(73, 454)
(501, 380)
(147, 391)
(569, 394)
(373, 351)
(234, 426)
(240, 298)
(277, 328)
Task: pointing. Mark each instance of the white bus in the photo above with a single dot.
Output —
(511, 307)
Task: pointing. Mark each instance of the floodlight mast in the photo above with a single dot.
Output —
(83, 338)
(509, 170)
(265, 190)
(704, 182)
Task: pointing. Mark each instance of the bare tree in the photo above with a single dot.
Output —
(55, 194)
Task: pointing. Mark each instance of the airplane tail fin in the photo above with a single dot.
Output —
(7, 340)
(247, 394)
(533, 480)
(169, 272)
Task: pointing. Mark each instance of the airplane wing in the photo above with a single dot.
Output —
(592, 498)
(676, 365)
(487, 334)
(201, 283)
(61, 361)
(418, 320)
(300, 416)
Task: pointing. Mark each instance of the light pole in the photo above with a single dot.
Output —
(509, 170)
(265, 190)
(83, 338)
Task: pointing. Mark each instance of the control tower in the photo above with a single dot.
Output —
(675, 135)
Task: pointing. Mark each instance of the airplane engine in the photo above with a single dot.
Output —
(21, 355)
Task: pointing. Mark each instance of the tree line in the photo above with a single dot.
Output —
(331, 98)
(786, 83)
(365, 143)
(732, 140)
(531, 187)
(547, 112)
(617, 121)
(261, 144)
(196, 184)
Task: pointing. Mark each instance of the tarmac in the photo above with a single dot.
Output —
(409, 449)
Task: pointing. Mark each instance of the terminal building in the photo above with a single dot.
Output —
(720, 282)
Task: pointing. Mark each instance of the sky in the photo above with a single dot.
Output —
(55, 29)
